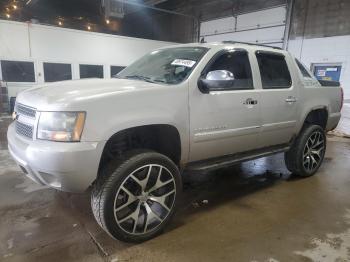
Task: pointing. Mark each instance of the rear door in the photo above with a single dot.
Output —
(226, 121)
(279, 99)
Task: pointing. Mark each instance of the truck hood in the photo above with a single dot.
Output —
(67, 93)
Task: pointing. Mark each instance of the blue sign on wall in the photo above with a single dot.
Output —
(327, 72)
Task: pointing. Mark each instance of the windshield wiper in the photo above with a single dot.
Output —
(159, 81)
(139, 77)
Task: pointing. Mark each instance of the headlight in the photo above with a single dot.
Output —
(61, 126)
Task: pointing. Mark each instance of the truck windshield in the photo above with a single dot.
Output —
(169, 66)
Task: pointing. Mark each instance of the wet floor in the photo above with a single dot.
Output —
(343, 128)
(256, 211)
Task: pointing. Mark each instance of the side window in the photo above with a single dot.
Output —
(57, 72)
(302, 69)
(237, 63)
(91, 71)
(17, 71)
(273, 70)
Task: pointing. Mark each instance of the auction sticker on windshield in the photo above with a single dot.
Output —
(183, 62)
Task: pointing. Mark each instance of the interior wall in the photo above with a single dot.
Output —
(139, 20)
(334, 49)
(39, 43)
(320, 33)
(212, 9)
(320, 18)
(28, 41)
(261, 27)
(159, 26)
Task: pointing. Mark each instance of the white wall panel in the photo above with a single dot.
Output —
(218, 26)
(264, 18)
(31, 41)
(14, 41)
(325, 50)
(264, 26)
(48, 43)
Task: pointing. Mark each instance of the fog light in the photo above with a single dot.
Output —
(51, 180)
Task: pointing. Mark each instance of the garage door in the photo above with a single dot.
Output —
(261, 27)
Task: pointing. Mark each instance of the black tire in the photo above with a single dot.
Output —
(117, 174)
(298, 159)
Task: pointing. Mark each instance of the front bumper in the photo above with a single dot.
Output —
(70, 167)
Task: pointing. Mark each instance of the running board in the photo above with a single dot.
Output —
(226, 161)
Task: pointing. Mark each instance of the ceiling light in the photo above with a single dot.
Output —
(107, 21)
(14, 7)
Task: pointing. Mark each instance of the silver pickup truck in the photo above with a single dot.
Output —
(196, 107)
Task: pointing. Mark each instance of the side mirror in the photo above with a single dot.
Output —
(216, 80)
(220, 75)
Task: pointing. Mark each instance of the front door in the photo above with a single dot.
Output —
(226, 121)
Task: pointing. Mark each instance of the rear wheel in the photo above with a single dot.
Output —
(307, 153)
(136, 197)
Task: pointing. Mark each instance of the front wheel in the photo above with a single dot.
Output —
(135, 198)
(306, 155)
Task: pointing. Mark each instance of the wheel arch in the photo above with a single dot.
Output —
(162, 138)
(317, 115)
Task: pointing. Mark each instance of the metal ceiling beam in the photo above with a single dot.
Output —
(290, 5)
(154, 2)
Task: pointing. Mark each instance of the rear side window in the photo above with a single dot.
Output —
(273, 70)
(91, 71)
(17, 71)
(237, 63)
(57, 72)
(302, 69)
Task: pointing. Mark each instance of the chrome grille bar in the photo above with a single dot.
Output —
(24, 130)
(25, 120)
(25, 110)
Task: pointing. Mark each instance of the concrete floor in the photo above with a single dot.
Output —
(255, 211)
(343, 128)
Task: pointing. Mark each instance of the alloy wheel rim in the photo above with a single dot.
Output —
(313, 151)
(144, 199)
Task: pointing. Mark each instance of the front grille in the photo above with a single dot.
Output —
(24, 129)
(25, 110)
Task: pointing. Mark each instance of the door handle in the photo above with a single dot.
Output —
(291, 99)
(250, 101)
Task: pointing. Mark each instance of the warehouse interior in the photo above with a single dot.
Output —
(253, 211)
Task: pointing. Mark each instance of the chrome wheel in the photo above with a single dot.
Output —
(144, 199)
(313, 151)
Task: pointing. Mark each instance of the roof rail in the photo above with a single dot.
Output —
(245, 43)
